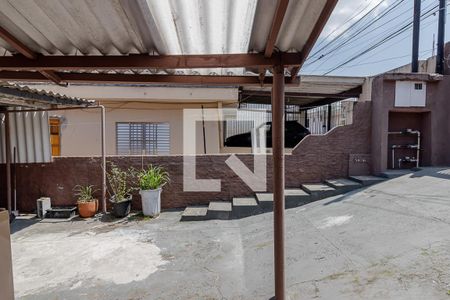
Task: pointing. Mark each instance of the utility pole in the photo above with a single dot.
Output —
(416, 36)
(8, 160)
(440, 59)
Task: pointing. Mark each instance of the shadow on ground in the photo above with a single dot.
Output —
(442, 173)
(20, 224)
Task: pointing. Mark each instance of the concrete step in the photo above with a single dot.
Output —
(396, 173)
(319, 190)
(292, 198)
(220, 210)
(265, 201)
(343, 185)
(195, 213)
(367, 180)
(244, 207)
(296, 197)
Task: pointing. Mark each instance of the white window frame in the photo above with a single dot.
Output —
(142, 138)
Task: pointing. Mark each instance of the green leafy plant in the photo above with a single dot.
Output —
(84, 193)
(152, 178)
(120, 182)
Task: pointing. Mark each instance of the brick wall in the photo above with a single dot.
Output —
(315, 159)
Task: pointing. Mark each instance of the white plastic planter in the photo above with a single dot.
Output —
(151, 202)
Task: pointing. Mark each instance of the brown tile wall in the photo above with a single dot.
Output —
(315, 159)
(432, 120)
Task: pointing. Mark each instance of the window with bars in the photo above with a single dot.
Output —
(137, 138)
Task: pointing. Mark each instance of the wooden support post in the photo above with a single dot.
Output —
(278, 178)
(103, 136)
(8, 161)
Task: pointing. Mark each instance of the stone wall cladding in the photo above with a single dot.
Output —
(315, 159)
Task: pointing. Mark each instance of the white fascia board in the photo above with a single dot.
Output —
(140, 93)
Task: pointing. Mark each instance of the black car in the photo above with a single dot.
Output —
(294, 132)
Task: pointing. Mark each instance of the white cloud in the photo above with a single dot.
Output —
(351, 9)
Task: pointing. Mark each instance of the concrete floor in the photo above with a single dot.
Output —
(389, 241)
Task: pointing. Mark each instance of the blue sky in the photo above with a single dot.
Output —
(392, 54)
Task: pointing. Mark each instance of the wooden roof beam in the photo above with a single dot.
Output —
(351, 93)
(320, 24)
(27, 52)
(16, 44)
(53, 77)
(142, 61)
(139, 79)
(277, 21)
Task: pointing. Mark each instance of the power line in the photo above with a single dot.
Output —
(356, 36)
(404, 22)
(384, 40)
(337, 50)
(358, 31)
(346, 22)
(381, 60)
(349, 28)
(426, 25)
(387, 39)
(384, 60)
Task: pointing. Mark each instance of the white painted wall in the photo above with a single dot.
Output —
(80, 134)
(80, 130)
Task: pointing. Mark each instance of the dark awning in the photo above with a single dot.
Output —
(17, 95)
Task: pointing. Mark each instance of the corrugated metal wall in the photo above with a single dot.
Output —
(30, 136)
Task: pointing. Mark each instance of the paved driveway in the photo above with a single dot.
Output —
(390, 241)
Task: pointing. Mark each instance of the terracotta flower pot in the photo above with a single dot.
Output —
(87, 209)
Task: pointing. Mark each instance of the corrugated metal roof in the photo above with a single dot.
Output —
(312, 90)
(319, 84)
(156, 27)
(19, 95)
(300, 18)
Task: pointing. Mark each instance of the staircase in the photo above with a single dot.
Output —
(263, 202)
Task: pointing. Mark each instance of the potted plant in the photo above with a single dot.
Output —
(119, 182)
(87, 204)
(151, 181)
